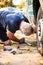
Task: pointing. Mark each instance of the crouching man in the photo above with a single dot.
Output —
(12, 20)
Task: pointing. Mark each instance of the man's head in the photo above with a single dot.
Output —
(26, 28)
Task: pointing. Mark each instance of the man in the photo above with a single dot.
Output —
(10, 21)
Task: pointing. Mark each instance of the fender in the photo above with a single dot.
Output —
(36, 5)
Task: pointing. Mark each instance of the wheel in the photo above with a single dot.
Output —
(40, 31)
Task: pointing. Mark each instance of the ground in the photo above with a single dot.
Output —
(32, 58)
(24, 55)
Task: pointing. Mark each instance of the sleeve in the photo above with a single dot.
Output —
(22, 17)
(25, 19)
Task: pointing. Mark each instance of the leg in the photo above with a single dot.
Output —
(3, 37)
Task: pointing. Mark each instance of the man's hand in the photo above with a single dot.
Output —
(22, 40)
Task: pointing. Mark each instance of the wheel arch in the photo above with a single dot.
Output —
(36, 5)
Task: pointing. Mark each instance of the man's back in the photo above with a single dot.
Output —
(7, 11)
(11, 17)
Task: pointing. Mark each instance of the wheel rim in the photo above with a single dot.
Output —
(40, 30)
(40, 36)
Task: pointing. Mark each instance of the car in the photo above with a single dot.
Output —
(38, 21)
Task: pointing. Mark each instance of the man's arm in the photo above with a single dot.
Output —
(12, 37)
(34, 28)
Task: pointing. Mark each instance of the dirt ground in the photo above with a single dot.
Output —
(33, 58)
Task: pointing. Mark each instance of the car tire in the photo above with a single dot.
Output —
(40, 31)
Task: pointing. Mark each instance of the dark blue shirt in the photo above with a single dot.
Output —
(10, 18)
